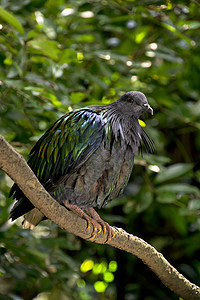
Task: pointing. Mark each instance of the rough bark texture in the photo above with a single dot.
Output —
(15, 166)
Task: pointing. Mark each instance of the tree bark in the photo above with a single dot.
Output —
(16, 167)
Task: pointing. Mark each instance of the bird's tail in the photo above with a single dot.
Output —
(32, 219)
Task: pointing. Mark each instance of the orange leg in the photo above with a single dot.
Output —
(78, 211)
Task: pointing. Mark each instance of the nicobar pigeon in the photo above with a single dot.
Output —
(85, 159)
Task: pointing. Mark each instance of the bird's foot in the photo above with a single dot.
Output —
(78, 211)
(94, 219)
(105, 226)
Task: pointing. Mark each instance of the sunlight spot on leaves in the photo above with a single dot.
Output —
(87, 265)
(67, 12)
(142, 123)
(100, 286)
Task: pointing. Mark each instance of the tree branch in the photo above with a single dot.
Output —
(16, 167)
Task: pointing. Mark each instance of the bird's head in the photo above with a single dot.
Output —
(135, 103)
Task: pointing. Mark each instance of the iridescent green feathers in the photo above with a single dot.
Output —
(66, 145)
(63, 149)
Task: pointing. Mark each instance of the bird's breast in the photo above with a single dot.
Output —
(100, 179)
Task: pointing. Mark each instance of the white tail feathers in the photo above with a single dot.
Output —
(32, 219)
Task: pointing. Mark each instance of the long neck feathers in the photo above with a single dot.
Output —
(124, 128)
(127, 129)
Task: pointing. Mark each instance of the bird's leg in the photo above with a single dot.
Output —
(78, 211)
(95, 216)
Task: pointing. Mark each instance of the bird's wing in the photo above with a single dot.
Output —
(64, 147)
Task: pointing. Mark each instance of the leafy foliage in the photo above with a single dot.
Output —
(59, 55)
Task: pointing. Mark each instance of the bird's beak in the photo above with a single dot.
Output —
(148, 108)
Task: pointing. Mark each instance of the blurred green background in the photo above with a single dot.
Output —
(59, 55)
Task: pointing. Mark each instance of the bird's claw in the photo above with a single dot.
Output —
(92, 237)
(98, 225)
(94, 223)
(107, 229)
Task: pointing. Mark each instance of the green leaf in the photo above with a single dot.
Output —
(77, 97)
(52, 98)
(172, 172)
(194, 204)
(10, 19)
(179, 34)
(166, 197)
(178, 188)
(8, 61)
(169, 57)
(192, 209)
(46, 47)
(142, 123)
(140, 35)
(40, 59)
(175, 220)
(85, 38)
(144, 202)
(68, 56)
(96, 80)
(5, 43)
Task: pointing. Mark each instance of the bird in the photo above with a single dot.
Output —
(86, 158)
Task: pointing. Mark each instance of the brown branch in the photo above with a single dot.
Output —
(15, 166)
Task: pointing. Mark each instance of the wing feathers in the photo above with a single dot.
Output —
(60, 151)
